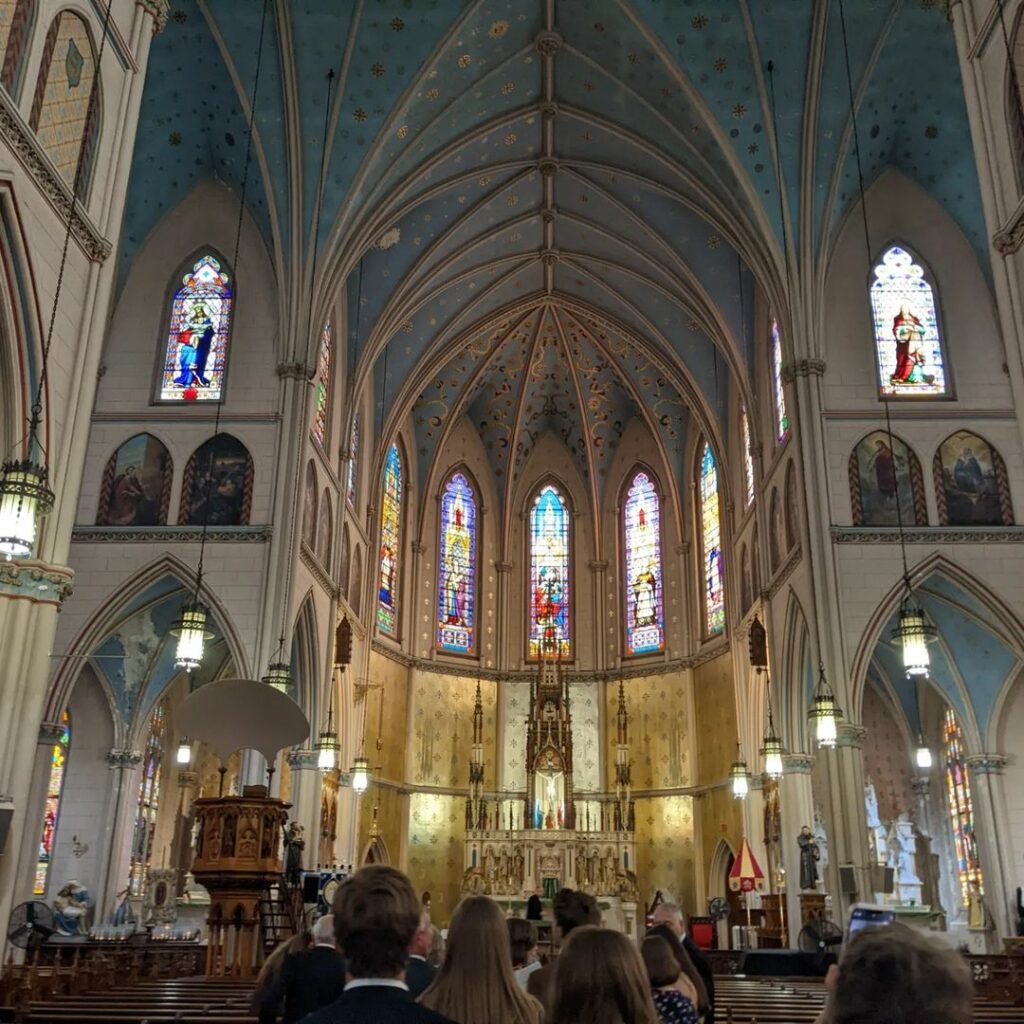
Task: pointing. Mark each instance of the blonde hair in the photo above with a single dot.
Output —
(270, 972)
(600, 979)
(475, 984)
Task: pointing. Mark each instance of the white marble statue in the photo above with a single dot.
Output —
(821, 838)
(903, 858)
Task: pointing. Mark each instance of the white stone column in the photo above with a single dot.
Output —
(305, 799)
(986, 775)
(602, 640)
(796, 809)
(125, 765)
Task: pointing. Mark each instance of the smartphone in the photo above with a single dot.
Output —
(868, 915)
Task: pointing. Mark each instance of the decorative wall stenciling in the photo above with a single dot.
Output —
(877, 472)
(217, 485)
(585, 706)
(971, 486)
(136, 485)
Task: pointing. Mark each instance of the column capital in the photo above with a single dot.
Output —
(50, 732)
(987, 764)
(798, 763)
(418, 548)
(187, 778)
(123, 758)
(920, 784)
(293, 371)
(157, 9)
(802, 368)
(35, 581)
(302, 760)
(503, 566)
(599, 565)
(851, 735)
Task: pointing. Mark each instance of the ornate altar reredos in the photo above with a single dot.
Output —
(552, 837)
(237, 857)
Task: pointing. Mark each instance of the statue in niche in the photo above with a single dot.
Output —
(876, 830)
(294, 844)
(70, 906)
(821, 838)
(809, 857)
(903, 858)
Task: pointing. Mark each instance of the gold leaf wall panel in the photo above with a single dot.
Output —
(721, 818)
(391, 815)
(442, 729)
(436, 851)
(665, 848)
(659, 730)
(393, 724)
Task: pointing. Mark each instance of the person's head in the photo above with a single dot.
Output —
(669, 914)
(522, 937)
(572, 908)
(376, 914)
(323, 931)
(682, 958)
(475, 984)
(899, 973)
(424, 937)
(660, 962)
(600, 979)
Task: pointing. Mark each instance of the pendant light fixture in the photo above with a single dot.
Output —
(913, 632)
(360, 775)
(327, 745)
(25, 494)
(739, 776)
(279, 671)
(191, 626)
(771, 751)
(183, 755)
(825, 712)
(923, 755)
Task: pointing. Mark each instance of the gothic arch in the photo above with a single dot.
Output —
(309, 506)
(355, 590)
(217, 484)
(324, 530)
(971, 486)
(19, 40)
(622, 553)
(346, 562)
(746, 581)
(306, 659)
(477, 547)
(792, 510)
(871, 485)
(776, 533)
(135, 489)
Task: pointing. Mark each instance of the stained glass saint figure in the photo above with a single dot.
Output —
(457, 590)
(197, 338)
(390, 529)
(711, 542)
(549, 630)
(642, 529)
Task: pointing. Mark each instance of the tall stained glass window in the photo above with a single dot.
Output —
(390, 540)
(456, 598)
(645, 618)
(58, 764)
(550, 587)
(197, 335)
(778, 389)
(711, 542)
(353, 461)
(907, 338)
(148, 802)
(323, 385)
(748, 459)
(961, 808)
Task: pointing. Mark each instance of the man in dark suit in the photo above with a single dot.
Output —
(314, 977)
(418, 972)
(376, 915)
(669, 914)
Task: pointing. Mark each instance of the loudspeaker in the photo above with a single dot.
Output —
(847, 880)
(310, 887)
(6, 815)
(883, 879)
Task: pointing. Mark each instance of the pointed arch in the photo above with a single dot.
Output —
(641, 570)
(355, 590)
(971, 485)
(391, 534)
(550, 568)
(353, 461)
(324, 530)
(746, 581)
(779, 412)
(19, 20)
(878, 469)
(194, 350)
(217, 486)
(309, 506)
(306, 659)
(346, 561)
(792, 511)
(909, 352)
(136, 485)
(776, 532)
(746, 458)
(322, 391)
(65, 111)
(710, 519)
(458, 567)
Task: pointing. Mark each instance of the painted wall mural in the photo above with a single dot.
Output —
(879, 470)
(971, 486)
(136, 485)
(217, 485)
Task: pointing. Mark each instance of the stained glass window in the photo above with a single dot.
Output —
(550, 586)
(390, 539)
(907, 338)
(323, 384)
(148, 802)
(748, 459)
(456, 599)
(197, 335)
(58, 764)
(778, 388)
(711, 542)
(353, 461)
(645, 619)
(961, 808)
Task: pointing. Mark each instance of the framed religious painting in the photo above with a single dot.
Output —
(883, 472)
(971, 487)
(217, 486)
(136, 485)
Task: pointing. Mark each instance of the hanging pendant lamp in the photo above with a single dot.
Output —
(825, 712)
(183, 755)
(192, 634)
(279, 671)
(360, 775)
(771, 749)
(327, 745)
(913, 634)
(923, 754)
(739, 776)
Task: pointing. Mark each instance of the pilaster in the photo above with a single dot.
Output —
(796, 809)
(990, 827)
(305, 798)
(125, 764)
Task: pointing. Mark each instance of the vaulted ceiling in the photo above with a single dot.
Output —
(516, 192)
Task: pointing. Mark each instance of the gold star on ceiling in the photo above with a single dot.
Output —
(360, 114)
(377, 70)
(721, 64)
(465, 60)
(698, 21)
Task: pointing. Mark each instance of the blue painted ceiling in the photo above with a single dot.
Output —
(652, 200)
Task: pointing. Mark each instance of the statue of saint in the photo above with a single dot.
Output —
(294, 844)
(809, 857)
(69, 909)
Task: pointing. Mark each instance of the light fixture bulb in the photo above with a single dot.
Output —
(327, 751)
(25, 498)
(923, 755)
(772, 754)
(825, 715)
(192, 635)
(183, 756)
(360, 775)
(913, 634)
(279, 676)
(740, 779)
